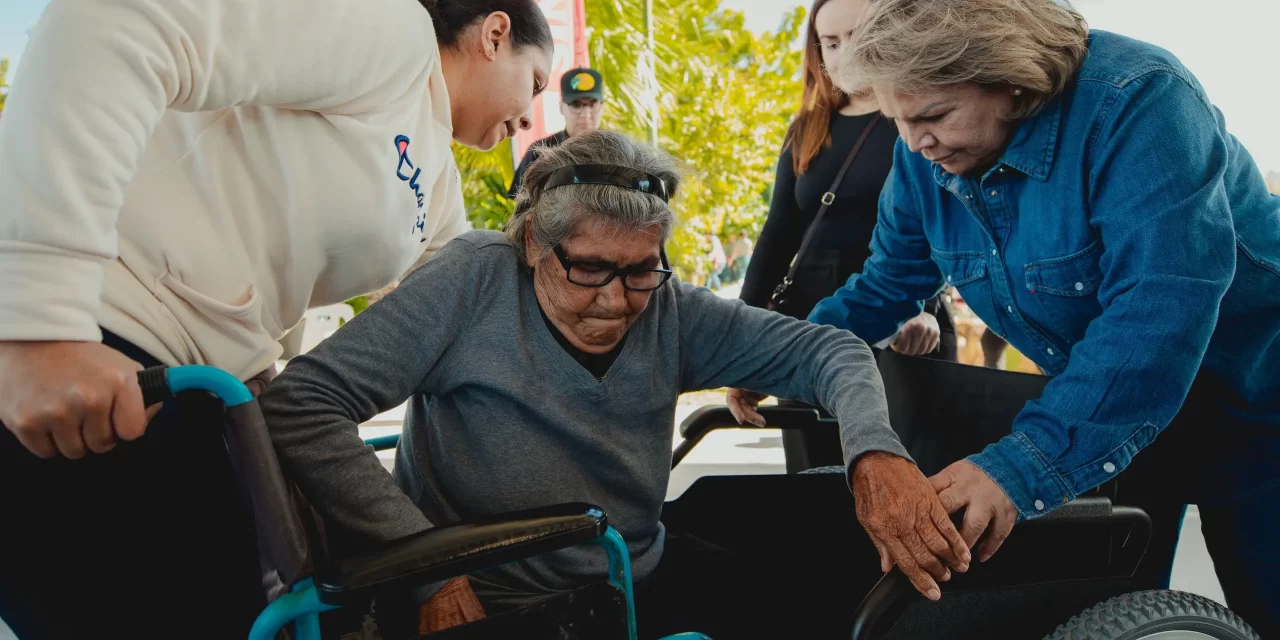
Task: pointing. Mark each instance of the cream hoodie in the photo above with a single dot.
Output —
(193, 175)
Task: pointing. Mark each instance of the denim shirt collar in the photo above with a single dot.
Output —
(1031, 150)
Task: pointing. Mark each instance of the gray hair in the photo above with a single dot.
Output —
(558, 212)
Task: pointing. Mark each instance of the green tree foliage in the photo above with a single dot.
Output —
(486, 176)
(725, 96)
(4, 85)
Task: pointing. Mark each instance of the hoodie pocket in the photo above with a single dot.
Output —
(244, 309)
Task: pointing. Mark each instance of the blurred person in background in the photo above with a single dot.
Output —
(581, 104)
(740, 248)
(817, 148)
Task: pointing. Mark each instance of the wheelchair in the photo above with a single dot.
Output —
(1068, 575)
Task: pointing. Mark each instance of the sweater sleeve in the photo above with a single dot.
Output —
(779, 240)
(371, 365)
(98, 75)
(725, 343)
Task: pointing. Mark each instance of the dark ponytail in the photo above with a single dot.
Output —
(452, 17)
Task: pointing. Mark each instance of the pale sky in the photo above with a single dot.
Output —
(1232, 46)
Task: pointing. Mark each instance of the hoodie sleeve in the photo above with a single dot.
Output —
(98, 75)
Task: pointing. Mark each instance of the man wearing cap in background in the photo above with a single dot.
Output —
(582, 105)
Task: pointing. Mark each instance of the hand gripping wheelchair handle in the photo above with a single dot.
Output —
(449, 551)
(891, 595)
(708, 419)
(280, 530)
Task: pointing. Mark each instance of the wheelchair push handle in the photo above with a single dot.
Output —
(253, 457)
(163, 383)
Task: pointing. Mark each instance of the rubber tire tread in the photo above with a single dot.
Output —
(1134, 615)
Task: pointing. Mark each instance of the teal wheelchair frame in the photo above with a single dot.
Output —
(285, 539)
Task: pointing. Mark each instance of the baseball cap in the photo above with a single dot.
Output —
(581, 83)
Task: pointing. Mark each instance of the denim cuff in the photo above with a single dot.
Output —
(1025, 474)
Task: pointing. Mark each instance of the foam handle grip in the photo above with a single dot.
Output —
(155, 385)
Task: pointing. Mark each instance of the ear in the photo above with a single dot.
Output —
(495, 31)
(530, 249)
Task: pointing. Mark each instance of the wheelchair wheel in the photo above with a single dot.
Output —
(1155, 615)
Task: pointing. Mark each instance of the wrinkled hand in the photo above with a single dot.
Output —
(907, 523)
(70, 398)
(964, 485)
(453, 605)
(918, 336)
(742, 404)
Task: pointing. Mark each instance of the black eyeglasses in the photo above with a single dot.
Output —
(598, 274)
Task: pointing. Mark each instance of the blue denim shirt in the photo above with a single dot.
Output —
(1125, 242)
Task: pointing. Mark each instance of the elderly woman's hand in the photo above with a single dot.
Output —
(455, 604)
(907, 523)
(918, 336)
(742, 405)
(965, 485)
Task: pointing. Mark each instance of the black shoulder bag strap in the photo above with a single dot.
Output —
(779, 294)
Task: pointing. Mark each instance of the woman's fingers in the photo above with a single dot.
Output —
(941, 481)
(97, 432)
(923, 582)
(976, 520)
(886, 561)
(952, 538)
(742, 406)
(732, 399)
(129, 418)
(940, 545)
(1001, 524)
(926, 558)
(38, 442)
(69, 441)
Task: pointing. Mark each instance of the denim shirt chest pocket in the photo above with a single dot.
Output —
(967, 272)
(1064, 292)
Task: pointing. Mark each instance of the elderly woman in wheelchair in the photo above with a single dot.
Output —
(543, 366)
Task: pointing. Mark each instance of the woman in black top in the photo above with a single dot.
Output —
(819, 142)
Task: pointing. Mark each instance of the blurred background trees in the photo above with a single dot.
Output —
(725, 96)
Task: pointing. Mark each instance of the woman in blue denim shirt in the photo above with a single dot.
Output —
(1084, 196)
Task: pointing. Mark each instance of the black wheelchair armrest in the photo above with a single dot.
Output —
(891, 595)
(450, 551)
(709, 418)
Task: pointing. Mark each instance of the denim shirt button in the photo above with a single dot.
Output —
(1109, 467)
(1079, 286)
(993, 252)
(1050, 351)
(948, 278)
(1039, 505)
(993, 193)
(1009, 308)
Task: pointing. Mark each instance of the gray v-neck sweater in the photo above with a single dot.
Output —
(501, 418)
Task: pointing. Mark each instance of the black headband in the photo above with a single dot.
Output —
(607, 175)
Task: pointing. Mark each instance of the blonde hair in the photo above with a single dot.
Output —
(913, 46)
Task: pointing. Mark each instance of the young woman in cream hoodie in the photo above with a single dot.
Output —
(179, 181)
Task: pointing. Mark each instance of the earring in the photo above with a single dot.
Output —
(1017, 92)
